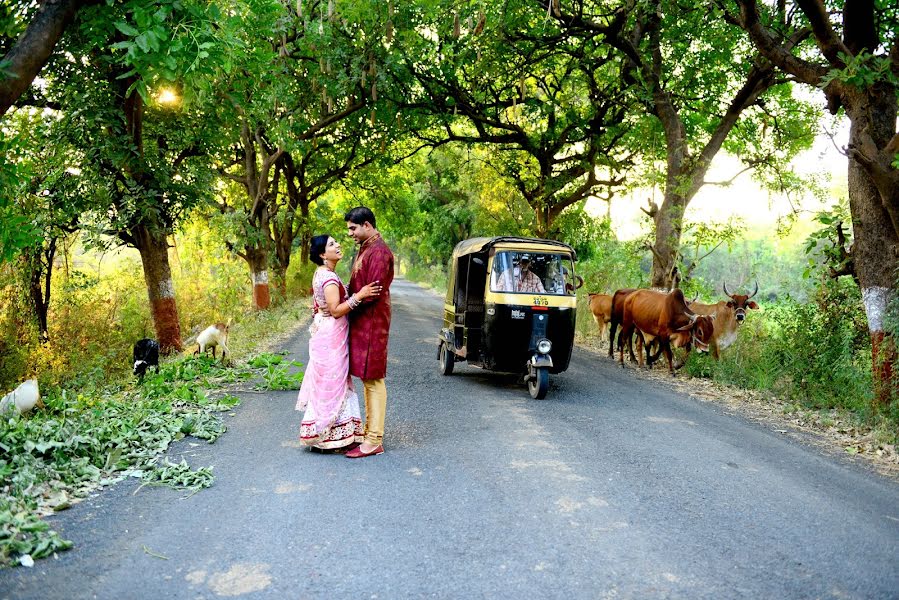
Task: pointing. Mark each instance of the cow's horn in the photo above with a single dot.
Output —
(726, 293)
(688, 325)
(756, 289)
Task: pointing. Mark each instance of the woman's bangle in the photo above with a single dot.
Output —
(352, 302)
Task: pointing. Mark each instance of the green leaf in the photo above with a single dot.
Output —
(126, 29)
(143, 42)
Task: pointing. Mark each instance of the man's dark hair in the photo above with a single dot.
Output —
(360, 215)
(317, 248)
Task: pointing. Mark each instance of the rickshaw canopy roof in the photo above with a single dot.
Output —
(506, 242)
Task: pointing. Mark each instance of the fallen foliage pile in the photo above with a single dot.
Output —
(83, 441)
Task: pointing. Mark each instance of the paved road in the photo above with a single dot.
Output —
(609, 488)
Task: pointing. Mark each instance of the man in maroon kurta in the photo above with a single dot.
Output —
(370, 325)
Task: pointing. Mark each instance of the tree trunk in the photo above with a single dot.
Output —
(39, 277)
(154, 253)
(305, 240)
(305, 232)
(876, 247)
(31, 51)
(283, 248)
(281, 281)
(669, 222)
(257, 259)
(543, 221)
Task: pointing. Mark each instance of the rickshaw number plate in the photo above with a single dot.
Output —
(541, 301)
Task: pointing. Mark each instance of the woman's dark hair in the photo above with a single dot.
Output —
(317, 248)
(360, 215)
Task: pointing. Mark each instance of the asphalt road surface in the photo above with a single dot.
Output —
(612, 487)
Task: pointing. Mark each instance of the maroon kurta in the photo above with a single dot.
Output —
(370, 322)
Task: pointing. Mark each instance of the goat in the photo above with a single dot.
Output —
(213, 337)
(146, 355)
(22, 399)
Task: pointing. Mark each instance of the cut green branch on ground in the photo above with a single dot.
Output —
(178, 476)
(82, 441)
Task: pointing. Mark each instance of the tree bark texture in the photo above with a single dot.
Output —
(154, 253)
(305, 233)
(669, 228)
(257, 260)
(32, 50)
(875, 252)
(39, 266)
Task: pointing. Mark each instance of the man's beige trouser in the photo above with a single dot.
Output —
(375, 391)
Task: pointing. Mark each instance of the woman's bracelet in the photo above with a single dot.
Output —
(352, 302)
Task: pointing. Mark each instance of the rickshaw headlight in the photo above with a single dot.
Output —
(544, 346)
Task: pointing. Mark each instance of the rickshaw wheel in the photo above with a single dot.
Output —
(539, 385)
(446, 360)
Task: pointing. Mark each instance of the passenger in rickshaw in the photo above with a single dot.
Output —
(557, 279)
(520, 278)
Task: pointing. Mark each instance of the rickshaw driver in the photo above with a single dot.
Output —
(524, 280)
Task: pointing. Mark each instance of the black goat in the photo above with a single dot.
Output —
(146, 355)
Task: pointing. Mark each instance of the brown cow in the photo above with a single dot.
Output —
(728, 317)
(666, 317)
(601, 307)
(617, 312)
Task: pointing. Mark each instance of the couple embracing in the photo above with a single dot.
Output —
(349, 338)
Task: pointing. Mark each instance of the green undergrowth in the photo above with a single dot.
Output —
(103, 433)
(433, 277)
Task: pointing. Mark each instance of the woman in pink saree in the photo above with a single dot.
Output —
(332, 419)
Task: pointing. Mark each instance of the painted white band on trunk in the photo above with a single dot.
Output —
(260, 278)
(166, 289)
(876, 300)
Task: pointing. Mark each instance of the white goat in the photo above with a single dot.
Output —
(22, 399)
(213, 337)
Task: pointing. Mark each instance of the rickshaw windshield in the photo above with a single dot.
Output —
(532, 273)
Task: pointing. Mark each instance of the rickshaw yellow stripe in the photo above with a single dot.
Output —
(530, 299)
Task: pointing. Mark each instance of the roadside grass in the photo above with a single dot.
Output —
(96, 429)
(433, 277)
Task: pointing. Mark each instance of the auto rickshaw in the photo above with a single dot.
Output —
(510, 307)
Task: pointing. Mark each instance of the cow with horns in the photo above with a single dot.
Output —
(666, 318)
(729, 315)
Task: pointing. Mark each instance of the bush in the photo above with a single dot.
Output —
(814, 354)
(613, 265)
(99, 308)
(823, 349)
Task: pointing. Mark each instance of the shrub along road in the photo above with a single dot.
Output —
(611, 487)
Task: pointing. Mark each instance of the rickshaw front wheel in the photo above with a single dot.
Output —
(539, 385)
(446, 360)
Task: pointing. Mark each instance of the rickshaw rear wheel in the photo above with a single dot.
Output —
(446, 360)
(539, 385)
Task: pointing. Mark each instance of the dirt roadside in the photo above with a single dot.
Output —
(831, 431)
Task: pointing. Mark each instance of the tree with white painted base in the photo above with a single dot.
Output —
(855, 60)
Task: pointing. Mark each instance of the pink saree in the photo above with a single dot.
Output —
(332, 418)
